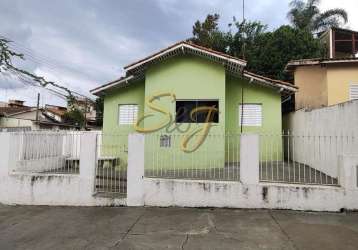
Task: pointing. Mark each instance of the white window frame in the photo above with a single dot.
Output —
(252, 123)
(351, 86)
(127, 118)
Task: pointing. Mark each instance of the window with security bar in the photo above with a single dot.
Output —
(127, 114)
(250, 115)
(353, 91)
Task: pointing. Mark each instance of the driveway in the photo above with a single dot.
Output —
(29, 227)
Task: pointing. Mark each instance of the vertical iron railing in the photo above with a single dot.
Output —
(303, 158)
(217, 158)
(111, 167)
(46, 151)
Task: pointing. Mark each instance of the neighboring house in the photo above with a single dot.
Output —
(55, 112)
(324, 82)
(331, 80)
(198, 77)
(3, 104)
(16, 117)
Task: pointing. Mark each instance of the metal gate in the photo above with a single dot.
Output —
(111, 167)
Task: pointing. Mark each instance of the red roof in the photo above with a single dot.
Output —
(233, 64)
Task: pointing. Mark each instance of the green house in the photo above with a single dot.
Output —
(161, 91)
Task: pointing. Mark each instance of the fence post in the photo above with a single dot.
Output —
(5, 153)
(135, 171)
(88, 159)
(249, 158)
(348, 171)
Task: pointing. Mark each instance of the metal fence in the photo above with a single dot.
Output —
(303, 158)
(46, 151)
(217, 158)
(111, 167)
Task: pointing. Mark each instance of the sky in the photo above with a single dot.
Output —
(85, 43)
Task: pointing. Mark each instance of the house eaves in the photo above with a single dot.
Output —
(291, 65)
(282, 86)
(136, 70)
(231, 63)
(233, 66)
(119, 83)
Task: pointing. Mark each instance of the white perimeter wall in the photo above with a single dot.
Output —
(52, 189)
(77, 190)
(333, 120)
(248, 193)
(186, 193)
(321, 135)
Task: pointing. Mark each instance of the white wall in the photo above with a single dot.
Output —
(190, 193)
(78, 190)
(52, 189)
(248, 193)
(340, 119)
(14, 122)
(321, 135)
(60, 190)
(186, 193)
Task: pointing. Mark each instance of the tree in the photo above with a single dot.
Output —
(244, 37)
(266, 53)
(99, 111)
(307, 16)
(271, 51)
(207, 34)
(6, 57)
(74, 116)
(232, 42)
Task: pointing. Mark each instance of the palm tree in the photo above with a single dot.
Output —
(306, 15)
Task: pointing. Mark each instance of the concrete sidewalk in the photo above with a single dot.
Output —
(27, 227)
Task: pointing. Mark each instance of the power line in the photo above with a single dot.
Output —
(42, 61)
(38, 57)
(30, 83)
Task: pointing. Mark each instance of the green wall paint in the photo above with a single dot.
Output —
(115, 137)
(271, 114)
(190, 77)
(255, 94)
(133, 94)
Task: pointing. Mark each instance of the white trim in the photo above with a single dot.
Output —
(182, 46)
(276, 85)
(130, 116)
(353, 96)
(340, 61)
(330, 43)
(253, 119)
(95, 91)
